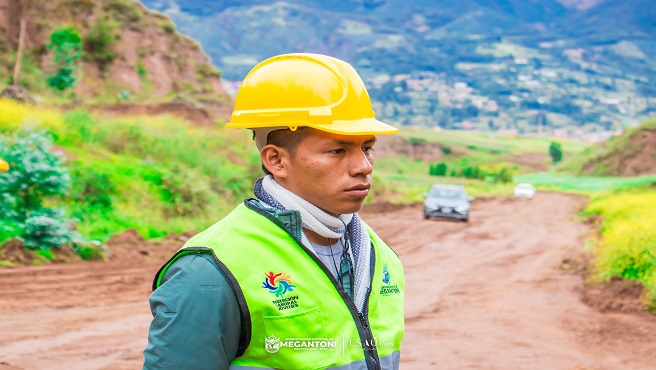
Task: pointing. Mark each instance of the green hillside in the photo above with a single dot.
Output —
(155, 174)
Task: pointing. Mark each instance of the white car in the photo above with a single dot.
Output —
(524, 191)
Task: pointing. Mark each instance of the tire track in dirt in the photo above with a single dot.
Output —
(488, 294)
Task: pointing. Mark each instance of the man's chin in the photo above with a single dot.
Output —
(353, 207)
(344, 208)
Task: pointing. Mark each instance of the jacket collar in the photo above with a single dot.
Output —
(290, 219)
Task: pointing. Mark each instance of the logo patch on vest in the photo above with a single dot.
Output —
(280, 284)
(388, 289)
(272, 344)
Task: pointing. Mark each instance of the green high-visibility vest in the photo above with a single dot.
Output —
(295, 315)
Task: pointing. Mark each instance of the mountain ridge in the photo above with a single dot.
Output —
(566, 69)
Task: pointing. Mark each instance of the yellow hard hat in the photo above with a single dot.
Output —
(312, 90)
(4, 166)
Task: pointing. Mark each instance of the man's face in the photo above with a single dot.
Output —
(331, 171)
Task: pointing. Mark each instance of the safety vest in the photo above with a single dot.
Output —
(295, 315)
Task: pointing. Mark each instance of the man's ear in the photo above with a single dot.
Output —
(275, 160)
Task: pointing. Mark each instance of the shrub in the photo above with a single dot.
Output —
(186, 192)
(126, 11)
(504, 176)
(90, 253)
(446, 150)
(168, 27)
(498, 172)
(555, 152)
(473, 172)
(141, 69)
(207, 71)
(628, 239)
(439, 169)
(93, 187)
(48, 228)
(417, 140)
(46, 253)
(35, 174)
(98, 45)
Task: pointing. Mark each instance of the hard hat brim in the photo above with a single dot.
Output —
(364, 126)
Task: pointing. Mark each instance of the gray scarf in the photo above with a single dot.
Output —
(315, 219)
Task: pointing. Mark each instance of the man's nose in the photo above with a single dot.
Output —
(360, 164)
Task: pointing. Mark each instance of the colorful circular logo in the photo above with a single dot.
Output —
(279, 283)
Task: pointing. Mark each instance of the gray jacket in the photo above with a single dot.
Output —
(193, 288)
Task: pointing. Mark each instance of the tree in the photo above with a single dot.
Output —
(19, 54)
(555, 152)
(65, 44)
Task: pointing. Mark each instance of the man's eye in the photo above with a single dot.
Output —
(368, 150)
(336, 151)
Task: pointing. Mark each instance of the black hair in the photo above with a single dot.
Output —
(288, 140)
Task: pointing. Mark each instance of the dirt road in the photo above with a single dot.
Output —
(484, 295)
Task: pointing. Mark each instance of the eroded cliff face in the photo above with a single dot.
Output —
(146, 60)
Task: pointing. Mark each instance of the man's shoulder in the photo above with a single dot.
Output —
(231, 225)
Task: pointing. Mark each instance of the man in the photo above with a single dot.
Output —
(295, 279)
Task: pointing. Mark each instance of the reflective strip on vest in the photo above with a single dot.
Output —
(388, 362)
(299, 316)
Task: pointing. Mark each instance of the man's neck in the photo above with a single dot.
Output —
(318, 239)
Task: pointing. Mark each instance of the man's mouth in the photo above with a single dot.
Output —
(360, 190)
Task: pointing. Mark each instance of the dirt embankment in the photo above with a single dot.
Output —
(637, 157)
(488, 294)
(198, 116)
(150, 59)
(394, 145)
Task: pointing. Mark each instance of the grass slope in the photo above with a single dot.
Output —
(153, 174)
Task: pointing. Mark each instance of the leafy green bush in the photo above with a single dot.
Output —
(141, 69)
(186, 192)
(473, 172)
(439, 169)
(98, 44)
(48, 228)
(417, 140)
(555, 152)
(207, 70)
(93, 187)
(35, 174)
(46, 253)
(504, 176)
(126, 11)
(90, 253)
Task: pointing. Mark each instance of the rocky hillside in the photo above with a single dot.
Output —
(632, 154)
(131, 54)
